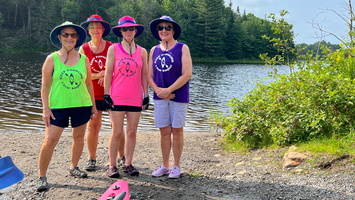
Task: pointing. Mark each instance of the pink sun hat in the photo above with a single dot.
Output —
(127, 21)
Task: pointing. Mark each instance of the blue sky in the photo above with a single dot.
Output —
(301, 14)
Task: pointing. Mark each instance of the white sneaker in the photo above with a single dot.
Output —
(175, 172)
(161, 171)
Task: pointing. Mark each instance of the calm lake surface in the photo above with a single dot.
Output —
(212, 85)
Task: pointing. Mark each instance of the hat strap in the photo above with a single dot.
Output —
(130, 47)
(65, 62)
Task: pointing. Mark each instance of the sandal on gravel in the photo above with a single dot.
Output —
(42, 184)
(131, 170)
(77, 173)
(112, 172)
(91, 165)
(121, 162)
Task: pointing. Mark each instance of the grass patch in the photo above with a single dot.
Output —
(331, 146)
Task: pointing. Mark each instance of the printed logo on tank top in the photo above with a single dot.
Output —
(164, 62)
(71, 79)
(128, 66)
(99, 61)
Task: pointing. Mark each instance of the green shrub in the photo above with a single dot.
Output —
(315, 102)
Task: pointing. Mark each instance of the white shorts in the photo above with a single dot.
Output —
(168, 112)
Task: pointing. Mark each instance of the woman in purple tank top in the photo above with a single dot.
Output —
(170, 69)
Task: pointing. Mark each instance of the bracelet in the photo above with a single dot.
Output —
(146, 95)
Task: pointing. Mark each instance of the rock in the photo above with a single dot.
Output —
(293, 159)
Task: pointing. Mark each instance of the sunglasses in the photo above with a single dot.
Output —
(66, 35)
(167, 28)
(125, 29)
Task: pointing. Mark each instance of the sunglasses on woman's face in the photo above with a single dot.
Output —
(125, 29)
(167, 28)
(66, 35)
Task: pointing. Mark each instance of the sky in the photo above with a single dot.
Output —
(303, 15)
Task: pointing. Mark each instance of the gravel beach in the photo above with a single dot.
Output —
(209, 172)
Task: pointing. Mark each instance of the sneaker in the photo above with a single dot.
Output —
(175, 172)
(113, 172)
(131, 170)
(161, 171)
(77, 173)
(121, 162)
(42, 184)
(91, 165)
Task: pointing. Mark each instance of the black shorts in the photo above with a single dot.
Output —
(78, 116)
(100, 105)
(127, 108)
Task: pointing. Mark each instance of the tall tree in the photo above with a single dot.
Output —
(211, 27)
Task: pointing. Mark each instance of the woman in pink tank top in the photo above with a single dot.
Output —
(126, 93)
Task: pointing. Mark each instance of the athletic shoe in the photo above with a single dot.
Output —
(113, 172)
(175, 172)
(121, 162)
(91, 165)
(161, 171)
(131, 170)
(42, 184)
(77, 173)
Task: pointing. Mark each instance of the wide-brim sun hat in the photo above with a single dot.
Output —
(155, 22)
(97, 18)
(79, 30)
(9, 173)
(127, 21)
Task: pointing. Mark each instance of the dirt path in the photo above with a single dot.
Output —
(208, 172)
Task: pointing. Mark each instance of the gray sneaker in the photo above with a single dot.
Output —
(42, 184)
(121, 162)
(77, 173)
(91, 165)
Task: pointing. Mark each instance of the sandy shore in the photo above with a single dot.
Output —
(208, 172)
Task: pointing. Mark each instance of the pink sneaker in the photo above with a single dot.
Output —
(175, 172)
(161, 171)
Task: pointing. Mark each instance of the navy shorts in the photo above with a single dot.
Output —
(127, 108)
(100, 105)
(78, 116)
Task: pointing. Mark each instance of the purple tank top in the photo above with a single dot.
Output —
(167, 68)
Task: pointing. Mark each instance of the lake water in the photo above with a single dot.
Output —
(212, 85)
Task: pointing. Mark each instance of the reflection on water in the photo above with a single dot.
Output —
(211, 88)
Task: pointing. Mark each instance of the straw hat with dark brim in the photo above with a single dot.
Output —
(127, 21)
(79, 30)
(155, 22)
(97, 18)
(9, 173)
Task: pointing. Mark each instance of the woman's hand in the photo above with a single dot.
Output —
(47, 116)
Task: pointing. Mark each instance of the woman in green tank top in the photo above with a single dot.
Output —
(67, 95)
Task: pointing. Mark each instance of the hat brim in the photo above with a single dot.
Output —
(139, 28)
(153, 28)
(79, 30)
(9, 173)
(105, 24)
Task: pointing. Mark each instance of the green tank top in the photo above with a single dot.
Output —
(68, 85)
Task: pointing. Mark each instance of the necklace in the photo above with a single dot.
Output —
(91, 47)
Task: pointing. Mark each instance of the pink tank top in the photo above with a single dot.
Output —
(126, 86)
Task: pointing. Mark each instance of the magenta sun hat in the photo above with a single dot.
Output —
(97, 18)
(155, 22)
(127, 21)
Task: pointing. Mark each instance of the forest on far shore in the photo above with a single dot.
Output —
(209, 27)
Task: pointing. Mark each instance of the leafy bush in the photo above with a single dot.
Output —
(317, 101)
